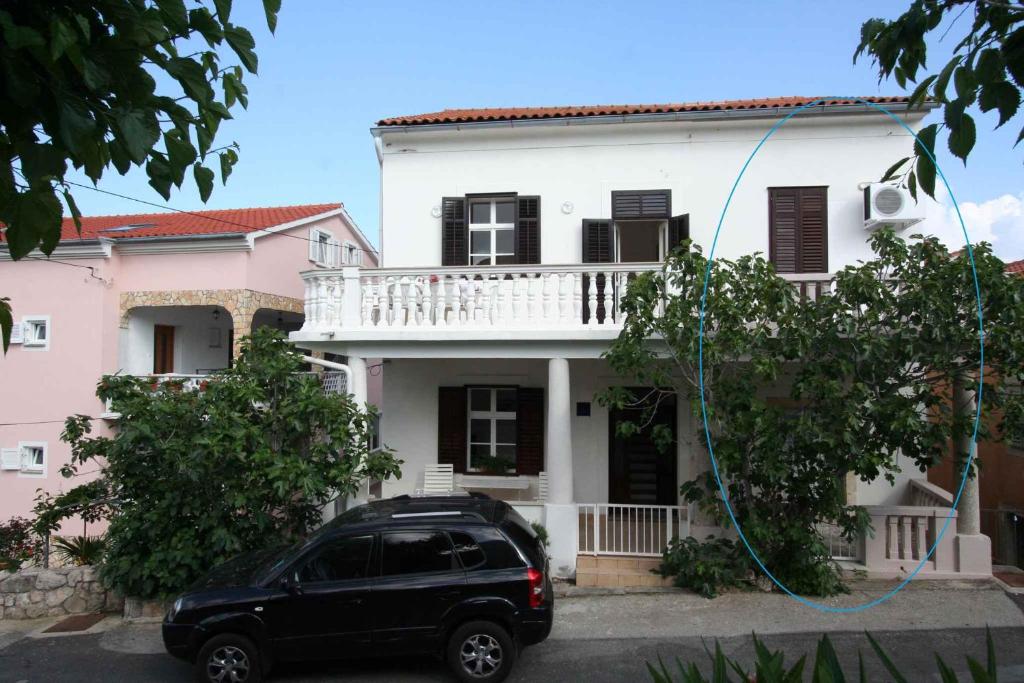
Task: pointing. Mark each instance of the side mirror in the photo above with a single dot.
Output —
(291, 586)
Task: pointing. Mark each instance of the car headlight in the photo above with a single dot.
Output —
(175, 608)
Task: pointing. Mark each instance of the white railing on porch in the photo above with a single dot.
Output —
(613, 529)
(504, 297)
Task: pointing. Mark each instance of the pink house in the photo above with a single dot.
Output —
(165, 293)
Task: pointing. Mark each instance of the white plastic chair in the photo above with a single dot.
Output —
(542, 486)
(438, 478)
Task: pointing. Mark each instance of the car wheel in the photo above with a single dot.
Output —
(229, 658)
(481, 651)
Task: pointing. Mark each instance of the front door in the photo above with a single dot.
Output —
(163, 349)
(327, 612)
(639, 473)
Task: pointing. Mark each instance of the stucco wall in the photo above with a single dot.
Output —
(582, 165)
(192, 339)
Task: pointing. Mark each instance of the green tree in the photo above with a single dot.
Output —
(803, 391)
(191, 478)
(79, 86)
(986, 69)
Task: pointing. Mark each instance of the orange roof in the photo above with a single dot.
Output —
(517, 113)
(177, 224)
(1015, 267)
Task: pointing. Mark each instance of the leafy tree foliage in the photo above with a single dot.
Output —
(987, 69)
(191, 478)
(85, 84)
(803, 391)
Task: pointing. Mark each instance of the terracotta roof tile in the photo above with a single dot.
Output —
(519, 113)
(1015, 267)
(176, 224)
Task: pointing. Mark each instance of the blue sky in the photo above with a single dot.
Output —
(334, 68)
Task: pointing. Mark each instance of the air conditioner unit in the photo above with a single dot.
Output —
(886, 204)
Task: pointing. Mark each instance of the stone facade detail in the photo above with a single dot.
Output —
(36, 592)
(242, 304)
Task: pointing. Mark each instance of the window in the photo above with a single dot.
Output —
(36, 331)
(342, 559)
(492, 232)
(467, 549)
(492, 428)
(798, 229)
(351, 255)
(374, 429)
(33, 457)
(322, 248)
(416, 552)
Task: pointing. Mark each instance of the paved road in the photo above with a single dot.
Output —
(82, 658)
(606, 638)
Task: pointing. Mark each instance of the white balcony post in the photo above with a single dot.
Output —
(351, 314)
(560, 514)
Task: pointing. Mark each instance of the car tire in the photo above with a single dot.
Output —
(481, 651)
(229, 658)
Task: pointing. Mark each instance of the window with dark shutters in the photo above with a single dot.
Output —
(641, 204)
(598, 247)
(798, 229)
(528, 229)
(530, 430)
(454, 232)
(452, 439)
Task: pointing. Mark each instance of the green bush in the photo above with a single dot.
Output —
(19, 544)
(770, 667)
(705, 567)
(541, 531)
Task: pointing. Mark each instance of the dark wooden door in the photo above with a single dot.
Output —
(639, 473)
(163, 349)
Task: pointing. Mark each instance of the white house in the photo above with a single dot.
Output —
(507, 237)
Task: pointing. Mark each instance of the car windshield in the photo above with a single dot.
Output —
(277, 557)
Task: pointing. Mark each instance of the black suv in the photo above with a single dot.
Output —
(464, 577)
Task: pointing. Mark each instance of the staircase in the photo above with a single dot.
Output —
(618, 571)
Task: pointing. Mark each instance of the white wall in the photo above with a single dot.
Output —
(582, 165)
(192, 349)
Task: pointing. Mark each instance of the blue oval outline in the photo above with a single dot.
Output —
(981, 377)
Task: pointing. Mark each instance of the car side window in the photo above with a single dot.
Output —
(416, 552)
(341, 559)
(468, 550)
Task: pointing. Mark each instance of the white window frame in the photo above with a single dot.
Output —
(492, 227)
(350, 254)
(32, 470)
(493, 415)
(30, 325)
(323, 250)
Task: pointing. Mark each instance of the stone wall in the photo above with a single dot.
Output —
(35, 592)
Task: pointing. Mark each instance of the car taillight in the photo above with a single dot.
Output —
(535, 580)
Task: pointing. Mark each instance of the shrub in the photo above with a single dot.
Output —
(769, 667)
(541, 531)
(19, 544)
(79, 550)
(705, 567)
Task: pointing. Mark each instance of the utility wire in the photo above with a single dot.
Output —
(199, 215)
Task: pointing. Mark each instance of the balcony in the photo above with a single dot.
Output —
(542, 302)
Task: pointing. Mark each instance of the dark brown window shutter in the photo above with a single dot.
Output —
(528, 229)
(452, 440)
(678, 230)
(798, 229)
(641, 204)
(598, 247)
(530, 431)
(454, 232)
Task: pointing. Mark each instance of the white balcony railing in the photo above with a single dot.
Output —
(583, 296)
(613, 529)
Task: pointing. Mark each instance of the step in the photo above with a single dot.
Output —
(617, 571)
(616, 562)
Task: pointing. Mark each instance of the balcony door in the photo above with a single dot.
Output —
(163, 349)
(638, 472)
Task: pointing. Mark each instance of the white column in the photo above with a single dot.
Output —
(558, 440)
(350, 298)
(560, 514)
(974, 550)
(358, 389)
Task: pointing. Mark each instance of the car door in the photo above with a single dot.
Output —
(323, 609)
(420, 581)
